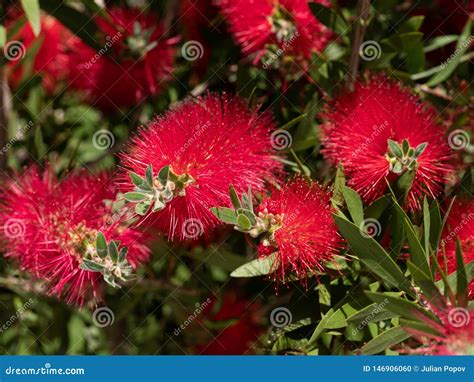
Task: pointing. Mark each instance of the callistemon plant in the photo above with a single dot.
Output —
(273, 31)
(460, 227)
(449, 332)
(294, 225)
(379, 133)
(69, 233)
(135, 60)
(182, 163)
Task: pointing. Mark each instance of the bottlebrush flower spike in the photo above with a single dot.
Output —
(268, 28)
(294, 224)
(181, 165)
(379, 132)
(58, 232)
(451, 332)
(460, 226)
(134, 62)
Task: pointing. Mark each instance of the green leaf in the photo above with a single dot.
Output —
(243, 222)
(142, 208)
(374, 257)
(426, 225)
(234, 198)
(135, 196)
(258, 267)
(293, 122)
(149, 175)
(321, 327)
(329, 18)
(32, 11)
(439, 42)
(137, 180)
(451, 64)
(417, 254)
(77, 22)
(40, 146)
(3, 36)
(371, 313)
(394, 147)
(436, 226)
(101, 245)
(247, 202)
(461, 280)
(354, 205)
(91, 266)
(122, 254)
(420, 149)
(163, 175)
(339, 183)
(113, 251)
(385, 341)
(225, 215)
(401, 306)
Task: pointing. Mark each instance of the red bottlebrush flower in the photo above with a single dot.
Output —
(455, 332)
(275, 27)
(132, 65)
(50, 59)
(367, 130)
(461, 225)
(301, 230)
(242, 327)
(50, 227)
(206, 145)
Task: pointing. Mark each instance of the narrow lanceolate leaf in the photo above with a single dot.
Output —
(225, 215)
(113, 251)
(3, 36)
(385, 341)
(91, 266)
(450, 65)
(395, 148)
(354, 205)
(321, 327)
(149, 175)
(374, 257)
(258, 267)
(417, 253)
(101, 245)
(371, 313)
(234, 198)
(137, 180)
(461, 280)
(32, 11)
(163, 175)
(401, 306)
(122, 254)
(426, 226)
